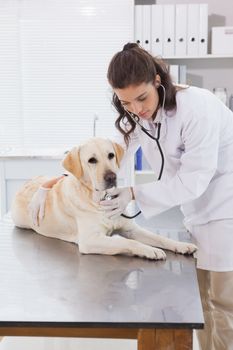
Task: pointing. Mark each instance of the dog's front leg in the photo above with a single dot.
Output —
(97, 243)
(134, 231)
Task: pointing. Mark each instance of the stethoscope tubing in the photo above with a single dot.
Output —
(158, 145)
(156, 139)
(161, 154)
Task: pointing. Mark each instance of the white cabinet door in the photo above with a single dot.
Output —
(14, 172)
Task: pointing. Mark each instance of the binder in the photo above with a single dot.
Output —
(183, 74)
(146, 27)
(181, 29)
(157, 30)
(138, 160)
(174, 73)
(138, 24)
(193, 29)
(203, 29)
(169, 30)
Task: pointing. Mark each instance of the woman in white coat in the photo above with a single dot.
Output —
(195, 132)
(196, 137)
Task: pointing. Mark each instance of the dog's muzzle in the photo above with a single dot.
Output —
(110, 179)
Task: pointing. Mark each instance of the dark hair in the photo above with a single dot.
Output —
(133, 66)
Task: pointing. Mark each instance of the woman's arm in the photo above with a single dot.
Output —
(50, 183)
(37, 204)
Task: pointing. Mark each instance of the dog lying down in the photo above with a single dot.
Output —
(72, 212)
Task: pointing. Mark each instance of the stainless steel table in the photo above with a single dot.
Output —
(49, 289)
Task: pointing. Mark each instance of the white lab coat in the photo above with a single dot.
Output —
(197, 142)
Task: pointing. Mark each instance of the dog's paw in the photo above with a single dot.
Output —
(185, 248)
(153, 254)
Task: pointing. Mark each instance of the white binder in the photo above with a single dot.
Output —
(174, 73)
(146, 27)
(193, 29)
(181, 30)
(138, 24)
(183, 74)
(169, 30)
(203, 29)
(157, 30)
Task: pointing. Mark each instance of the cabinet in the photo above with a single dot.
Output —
(203, 70)
(16, 169)
(209, 71)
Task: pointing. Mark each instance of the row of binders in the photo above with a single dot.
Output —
(172, 30)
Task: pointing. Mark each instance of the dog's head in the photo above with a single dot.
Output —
(95, 162)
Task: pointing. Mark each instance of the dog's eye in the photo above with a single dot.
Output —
(92, 160)
(111, 155)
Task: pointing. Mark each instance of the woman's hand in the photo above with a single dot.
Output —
(116, 206)
(37, 204)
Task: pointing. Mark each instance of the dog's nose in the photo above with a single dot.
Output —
(110, 178)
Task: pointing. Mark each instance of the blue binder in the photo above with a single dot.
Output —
(138, 159)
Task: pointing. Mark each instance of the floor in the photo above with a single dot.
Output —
(23, 343)
(27, 343)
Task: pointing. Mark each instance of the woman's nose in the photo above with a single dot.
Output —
(137, 108)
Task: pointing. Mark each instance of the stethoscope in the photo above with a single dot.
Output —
(156, 139)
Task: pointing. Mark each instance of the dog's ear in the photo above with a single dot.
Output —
(119, 152)
(72, 163)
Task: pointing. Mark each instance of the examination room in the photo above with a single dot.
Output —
(116, 175)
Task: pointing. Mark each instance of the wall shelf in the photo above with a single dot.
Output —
(209, 56)
(144, 172)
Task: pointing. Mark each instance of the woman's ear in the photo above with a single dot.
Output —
(157, 81)
(119, 152)
(72, 162)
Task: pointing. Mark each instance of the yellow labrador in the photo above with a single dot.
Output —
(72, 212)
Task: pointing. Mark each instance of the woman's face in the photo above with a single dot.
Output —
(141, 100)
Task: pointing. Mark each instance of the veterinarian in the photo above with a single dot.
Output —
(191, 153)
